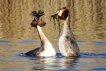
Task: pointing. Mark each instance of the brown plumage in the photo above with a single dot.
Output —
(40, 23)
(63, 13)
(34, 23)
(37, 20)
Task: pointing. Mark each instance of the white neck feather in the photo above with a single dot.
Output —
(67, 28)
(41, 34)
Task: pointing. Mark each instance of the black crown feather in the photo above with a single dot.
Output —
(38, 14)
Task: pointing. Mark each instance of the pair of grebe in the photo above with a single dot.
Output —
(67, 43)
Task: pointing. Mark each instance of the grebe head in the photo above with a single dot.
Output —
(61, 13)
(37, 20)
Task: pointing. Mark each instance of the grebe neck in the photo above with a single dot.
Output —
(41, 35)
(67, 28)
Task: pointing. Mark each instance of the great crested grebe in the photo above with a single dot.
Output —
(46, 49)
(67, 44)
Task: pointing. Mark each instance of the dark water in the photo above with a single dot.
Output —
(92, 57)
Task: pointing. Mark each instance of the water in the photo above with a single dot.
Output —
(88, 23)
(92, 57)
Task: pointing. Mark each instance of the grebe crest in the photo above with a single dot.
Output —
(37, 20)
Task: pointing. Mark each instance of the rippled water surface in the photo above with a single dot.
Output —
(88, 23)
(92, 57)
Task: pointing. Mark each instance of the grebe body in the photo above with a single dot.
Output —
(67, 44)
(46, 49)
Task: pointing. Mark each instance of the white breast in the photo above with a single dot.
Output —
(61, 46)
(48, 50)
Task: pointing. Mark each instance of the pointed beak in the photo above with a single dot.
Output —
(54, 15)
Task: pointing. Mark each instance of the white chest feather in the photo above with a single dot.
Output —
(61, 46)
(48, 50)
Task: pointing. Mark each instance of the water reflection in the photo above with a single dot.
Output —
(44, 64)
(92, 57)
(67, 62)
(54, 63)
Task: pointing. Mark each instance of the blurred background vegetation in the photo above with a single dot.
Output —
(88, 18)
